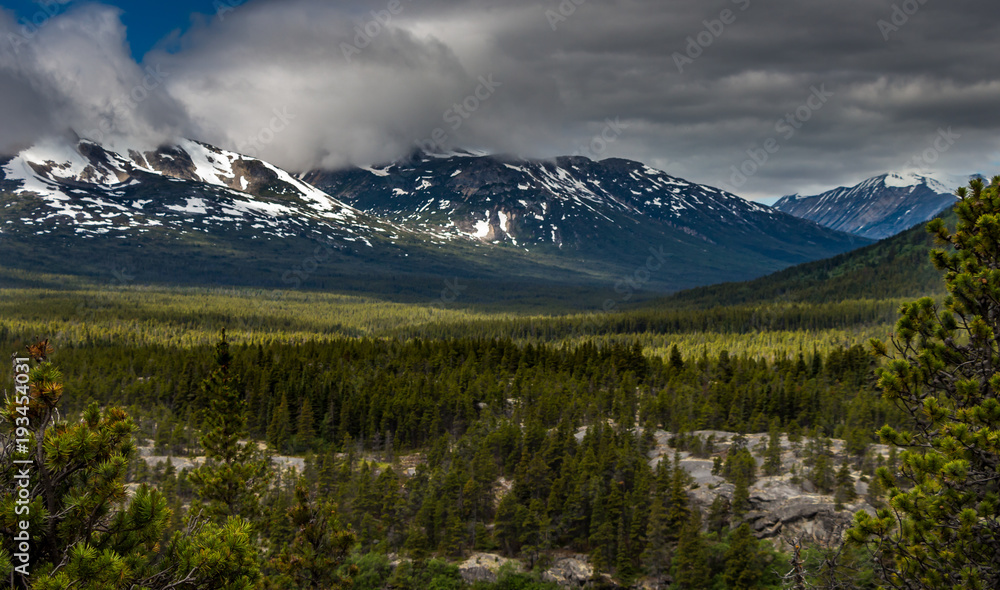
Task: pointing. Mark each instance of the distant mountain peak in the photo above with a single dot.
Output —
(939, 184)
(878, 207)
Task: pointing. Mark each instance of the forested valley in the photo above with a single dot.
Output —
(389, 456)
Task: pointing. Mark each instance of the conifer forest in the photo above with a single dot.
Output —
(187, 449)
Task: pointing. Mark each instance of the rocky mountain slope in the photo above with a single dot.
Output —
(877, 208)
(609, 211)
(197, 214)
(524, 202)
(190, 187)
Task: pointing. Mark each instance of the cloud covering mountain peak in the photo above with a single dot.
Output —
(366, 81)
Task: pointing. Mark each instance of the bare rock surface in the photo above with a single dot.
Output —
(484, 567)
(783, 506)
(569, 572)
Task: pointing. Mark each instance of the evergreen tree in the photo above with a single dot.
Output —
(603, 527)
(718, 515)
(941, 530)
(845, 492)
(875, 493)
(676, 361)
(305, 431)
(772, 456)
(744, 569)
(507, 528)
(280, 429)
(234, 475)
(624, 569)
(678, 512)
(319, 549)
(820, 459)
(691, 567)
(741, 498)
(656, 556)
(741, 470)
(533, 531)
(740, 464)
(86, 531)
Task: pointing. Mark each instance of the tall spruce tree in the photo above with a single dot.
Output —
(744, 568)
(941, 527)
(740, 469)
(656, 556)
(280, 430)
(234, 475)
(772, 456)
(691, 567)
(317, 554)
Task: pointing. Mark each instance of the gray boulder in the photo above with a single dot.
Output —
(569, 572)
(484, 567)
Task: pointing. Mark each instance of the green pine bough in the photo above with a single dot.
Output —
(88, 531)
(941, 528)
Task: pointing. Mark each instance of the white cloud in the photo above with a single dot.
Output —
(75, 73)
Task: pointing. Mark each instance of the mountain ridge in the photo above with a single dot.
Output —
(495, 219)
(877, 208)
(896, 267)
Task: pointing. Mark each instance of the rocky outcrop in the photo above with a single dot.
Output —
(282, 463)
(786, 506)
(570, 572)
(781, 509)
(484, 567)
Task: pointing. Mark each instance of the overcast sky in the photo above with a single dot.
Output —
(837, 91)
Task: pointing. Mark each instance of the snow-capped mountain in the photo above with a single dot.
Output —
(195, 213)
(531, 202)
(576, 206)
(190, 186)
(877, 208)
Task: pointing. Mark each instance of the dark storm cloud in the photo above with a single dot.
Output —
(281, 79)
(890, 98)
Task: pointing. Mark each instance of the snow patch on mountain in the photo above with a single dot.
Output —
(912, 179)
(85, 184)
